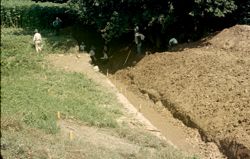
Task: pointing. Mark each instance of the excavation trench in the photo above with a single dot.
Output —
(163, 114)
(203, 84)
(200, 91)
(160, 121)
(176, 127)
(231, 148)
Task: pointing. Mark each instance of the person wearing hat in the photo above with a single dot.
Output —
(37, 39)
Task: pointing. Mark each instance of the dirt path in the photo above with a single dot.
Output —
(81, 64)
(160, 123)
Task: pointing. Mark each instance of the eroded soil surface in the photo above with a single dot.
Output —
(205, 84)
(162, 124)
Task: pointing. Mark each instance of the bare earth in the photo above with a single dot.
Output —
(205, 85)
(165, 126)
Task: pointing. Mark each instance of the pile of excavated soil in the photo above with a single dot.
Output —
(207, 87)
(236, 38)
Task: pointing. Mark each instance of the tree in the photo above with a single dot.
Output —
(54, 1)
(112, 18)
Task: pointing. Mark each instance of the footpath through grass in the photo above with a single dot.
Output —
(32, 93)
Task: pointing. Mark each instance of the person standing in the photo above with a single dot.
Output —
(138, 40)
(82, 47)
(105, 55)
(57, 25)
(92, 54)
(37, 39)
(105, 51)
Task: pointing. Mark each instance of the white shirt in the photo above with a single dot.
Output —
(172, 42)
(140, 35)
(37, 37)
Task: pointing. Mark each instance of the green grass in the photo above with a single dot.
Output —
(21, 145)
(35, 94)
(32, 93)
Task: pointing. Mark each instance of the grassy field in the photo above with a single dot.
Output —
(32, 93)
(35, 93)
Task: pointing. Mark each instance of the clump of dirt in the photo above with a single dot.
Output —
(207, 87)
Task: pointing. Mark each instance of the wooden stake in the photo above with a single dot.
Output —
(71, 135)
(58, 115)
(127, 57)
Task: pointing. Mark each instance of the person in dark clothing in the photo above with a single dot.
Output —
(57, 23)
(92, 54)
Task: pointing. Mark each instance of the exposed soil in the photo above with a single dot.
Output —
(205, 84)
(164, 125)
(81, 63)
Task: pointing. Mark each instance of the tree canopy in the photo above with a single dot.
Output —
(116, 17)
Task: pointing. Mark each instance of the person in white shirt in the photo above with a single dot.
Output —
(138, 39)
(172, 42)
(37, 39)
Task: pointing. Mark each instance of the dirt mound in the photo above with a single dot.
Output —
(235, 38)
(206, 87)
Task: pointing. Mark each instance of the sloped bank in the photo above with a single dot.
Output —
(206, 87)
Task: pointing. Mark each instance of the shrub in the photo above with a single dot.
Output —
(35, 15)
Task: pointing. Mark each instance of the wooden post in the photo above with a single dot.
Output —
(71, 135)
(58, 115)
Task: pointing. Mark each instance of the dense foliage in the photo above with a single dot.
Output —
(55, 1)
(159, 20)
(26, 13)
(184, 19)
